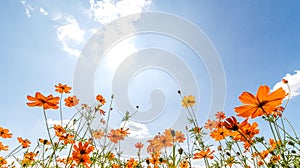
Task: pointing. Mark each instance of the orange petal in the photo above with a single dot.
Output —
(258, 112)
(38, 95)
(278, 94)
(262, 93)
(245, 110)
(31, 98)
(247, 98)
(33, 104)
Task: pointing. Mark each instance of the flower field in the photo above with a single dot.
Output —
(237, 139)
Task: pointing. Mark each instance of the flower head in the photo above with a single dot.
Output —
(219, 134)
(101, 99)
(210, 124)
(40, 100)
(2, 161)
(204, 154)
(67, 138)
(98, 134)
(265, 102)
(24, 142)
(220, 115)
(71, 101)
(115, 136)
(81, 153)
(59, 130)
(188, 101)
(232, 124)
(139, 145)
(28, 159)
(3, 147)
(4, 133)
(62, 88)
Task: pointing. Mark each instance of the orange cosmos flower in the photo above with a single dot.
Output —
(160, 141)
(232, 124)
(219, 134)
(179, 137)
(59, 130)
(250, 130)
(4, 133)
(163, 141)
(245, 130)
(71, 101)
(24, 142)
(62, 88)
(2, 147)
(2, 161)
(101, 99)
(114, 136)
(81, 153)
(139, 145)
(46, 102)
(151, 148)
(263, 103)
(123, 133)
(210, 124)
(274, 145)
(188, 101)
(204, 154)
(155, 159)
(220, 115)
(28, 159)
(98, 134)
(131, 163)
(67, 138)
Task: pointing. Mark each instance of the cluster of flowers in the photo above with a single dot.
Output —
(77, 144)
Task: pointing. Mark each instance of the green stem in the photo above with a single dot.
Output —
(48, 131)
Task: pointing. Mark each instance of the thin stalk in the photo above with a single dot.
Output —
(48, 131)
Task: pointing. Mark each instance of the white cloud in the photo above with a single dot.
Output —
(70, 34)
(28, 8)
(57, 16)
(43, 11)
(137, 130)
(293, 81)
(108, 10)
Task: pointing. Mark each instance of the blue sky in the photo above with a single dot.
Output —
(257, 41)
